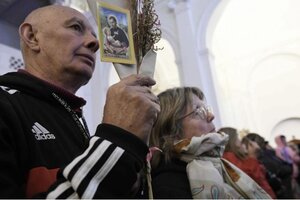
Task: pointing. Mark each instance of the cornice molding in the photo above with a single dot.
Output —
(173, 5)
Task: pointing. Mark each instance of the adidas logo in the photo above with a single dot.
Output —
(9, 90)
(41, 133)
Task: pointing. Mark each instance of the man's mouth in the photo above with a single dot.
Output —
(88, 59)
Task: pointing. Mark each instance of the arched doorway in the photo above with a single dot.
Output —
(255, 50)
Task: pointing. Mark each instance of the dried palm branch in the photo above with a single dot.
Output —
(145, 25)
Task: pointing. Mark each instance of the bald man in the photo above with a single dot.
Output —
(45, 146)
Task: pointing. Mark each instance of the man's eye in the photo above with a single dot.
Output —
(76, 27)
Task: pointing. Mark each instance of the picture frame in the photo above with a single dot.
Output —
(115, 34)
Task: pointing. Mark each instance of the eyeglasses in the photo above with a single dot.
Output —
(199, 112)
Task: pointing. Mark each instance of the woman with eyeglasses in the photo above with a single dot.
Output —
(188, 164)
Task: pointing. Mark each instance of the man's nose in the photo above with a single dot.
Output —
(92, 42)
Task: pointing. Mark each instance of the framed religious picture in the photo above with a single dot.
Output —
(115, 34)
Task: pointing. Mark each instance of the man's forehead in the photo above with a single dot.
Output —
(57, 13)
(69, 14)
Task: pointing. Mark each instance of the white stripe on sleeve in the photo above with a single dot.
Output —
(59, 190)
(73, 196)
(89, 164)
(102, 173)
(65, 185)
(76, 160)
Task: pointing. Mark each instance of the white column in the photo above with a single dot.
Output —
(209, 89)
(187, 46)
(194, 63)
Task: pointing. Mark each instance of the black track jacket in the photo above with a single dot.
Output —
(42, 145)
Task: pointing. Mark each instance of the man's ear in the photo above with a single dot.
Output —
(28, 35)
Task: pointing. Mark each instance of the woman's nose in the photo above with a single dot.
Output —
(210, 116)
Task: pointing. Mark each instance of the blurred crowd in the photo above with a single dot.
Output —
(275, 169)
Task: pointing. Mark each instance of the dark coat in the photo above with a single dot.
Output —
(169, 180)
(40, 135)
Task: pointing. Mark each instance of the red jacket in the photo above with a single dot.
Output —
(253, 168)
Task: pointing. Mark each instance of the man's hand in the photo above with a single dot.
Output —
(131, 105)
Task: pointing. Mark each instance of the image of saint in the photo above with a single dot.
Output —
(115, 38)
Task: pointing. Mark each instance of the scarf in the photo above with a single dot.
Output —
(212, 177)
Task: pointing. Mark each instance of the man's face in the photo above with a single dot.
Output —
(68, 45)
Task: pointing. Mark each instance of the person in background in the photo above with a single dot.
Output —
(278, 172)
(295, 145)
(287, 154)
(45, 147)
(189, 164)
(244, 156)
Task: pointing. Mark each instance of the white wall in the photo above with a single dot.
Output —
(256, 60)
(244, 55)
(9, 35)
(184, 24)
(10, 59)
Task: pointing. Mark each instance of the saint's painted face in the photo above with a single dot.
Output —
(112, 22)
